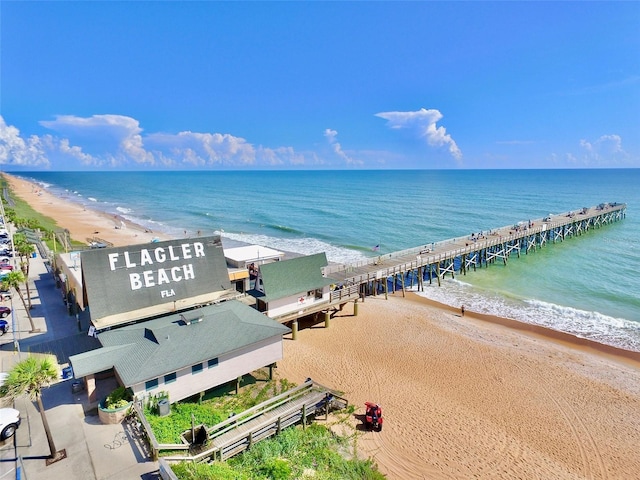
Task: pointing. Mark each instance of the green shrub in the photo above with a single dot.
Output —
(276, 469)
(168, 429)
(207, 471)
(119, 398)
(315, 449)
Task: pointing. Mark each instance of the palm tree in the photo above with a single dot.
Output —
(13, 279)
(29, 377)
(24, 250)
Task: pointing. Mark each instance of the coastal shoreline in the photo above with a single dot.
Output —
(462, 396)
(557, 336)
(82, 223)
(472, 397)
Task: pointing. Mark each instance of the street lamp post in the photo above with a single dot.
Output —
(16, 343)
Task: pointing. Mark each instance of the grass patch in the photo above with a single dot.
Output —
(23, 210)
(313, 452)
(215, 406)
(22, 214)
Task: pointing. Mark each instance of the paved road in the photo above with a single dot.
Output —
(94, 451)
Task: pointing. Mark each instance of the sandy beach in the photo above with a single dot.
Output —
(463, 397)
(471, 398)
(82, 223)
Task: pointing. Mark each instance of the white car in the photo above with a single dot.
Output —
(9, 422)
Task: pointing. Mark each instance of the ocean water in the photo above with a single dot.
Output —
(588, 285)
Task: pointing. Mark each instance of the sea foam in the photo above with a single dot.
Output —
(590, 325)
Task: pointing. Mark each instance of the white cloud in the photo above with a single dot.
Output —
(118, 141)
(280, 156)
(424, 122)
(75, 152)
(15, 150)
(125, 131)
(203, 149)
(331, 136)
(122, 141)
(604, 151)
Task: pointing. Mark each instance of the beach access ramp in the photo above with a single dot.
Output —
(236, 434)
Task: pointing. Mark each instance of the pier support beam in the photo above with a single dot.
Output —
(294, 330)
(327, 318)
(355, 308)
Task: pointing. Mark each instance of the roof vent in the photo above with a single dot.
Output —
(190, 321)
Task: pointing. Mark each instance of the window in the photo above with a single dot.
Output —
(212, 363)
(151, 384)
(196, 369)
(170, 377)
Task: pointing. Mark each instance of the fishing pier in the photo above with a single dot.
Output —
(434, 261)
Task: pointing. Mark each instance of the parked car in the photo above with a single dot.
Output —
(6, 266)
(4, 311)
(9, 422)
(5, 295)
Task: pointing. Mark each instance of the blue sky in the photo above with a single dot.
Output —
(319, 85)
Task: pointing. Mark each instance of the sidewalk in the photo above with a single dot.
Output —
(94, 451)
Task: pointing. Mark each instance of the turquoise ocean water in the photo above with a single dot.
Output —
(588, 286)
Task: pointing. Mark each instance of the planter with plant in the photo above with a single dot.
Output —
(114, 408)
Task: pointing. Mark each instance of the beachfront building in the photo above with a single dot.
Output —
(244, 262)
(184, 354)
(68, 277)
(292, 288)
(168, 319)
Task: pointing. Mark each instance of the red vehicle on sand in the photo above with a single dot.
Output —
(373, 416)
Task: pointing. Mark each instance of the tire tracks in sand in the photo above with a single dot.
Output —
(593, 466)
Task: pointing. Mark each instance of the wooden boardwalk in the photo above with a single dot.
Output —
(239, 432)
(435, 260)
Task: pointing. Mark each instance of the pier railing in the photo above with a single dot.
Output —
(435, 253)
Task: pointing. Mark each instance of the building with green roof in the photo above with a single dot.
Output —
(168, 319)
(292, 286)
(186, 353)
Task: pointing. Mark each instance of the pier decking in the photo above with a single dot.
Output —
(435, 260)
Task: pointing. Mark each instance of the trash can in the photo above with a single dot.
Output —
(164, 407)
(77, 387)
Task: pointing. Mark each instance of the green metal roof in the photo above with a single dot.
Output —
(150, 349)
(293, 276)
